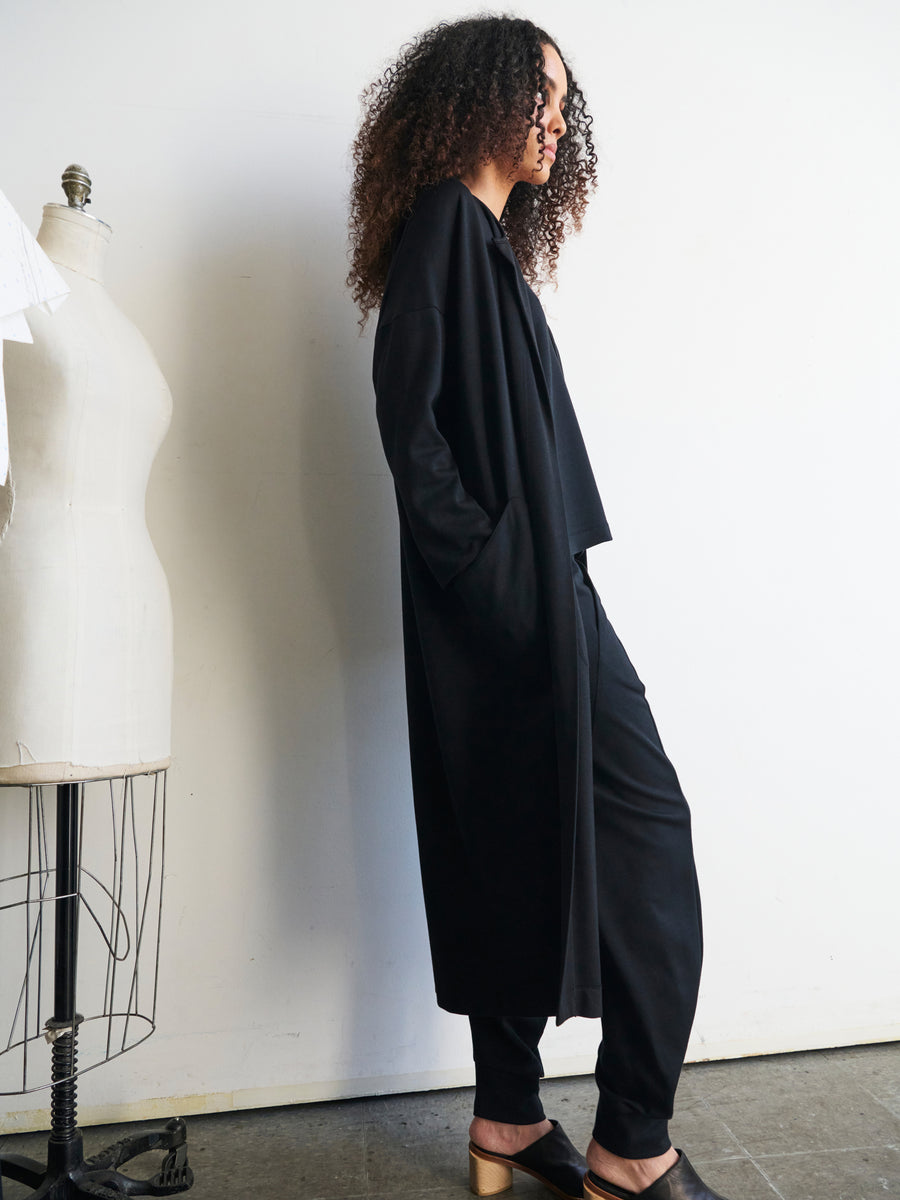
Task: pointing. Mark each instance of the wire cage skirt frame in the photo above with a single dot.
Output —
(80, 929)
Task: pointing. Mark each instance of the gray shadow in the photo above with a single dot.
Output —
(293, 510)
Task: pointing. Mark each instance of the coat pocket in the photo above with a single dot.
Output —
(499, 589)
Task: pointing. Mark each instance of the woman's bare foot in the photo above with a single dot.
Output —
(499, 1138)
(632, 1174)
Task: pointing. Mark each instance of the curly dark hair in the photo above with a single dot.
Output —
(462, 94)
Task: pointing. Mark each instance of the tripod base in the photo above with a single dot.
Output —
(98, 1176)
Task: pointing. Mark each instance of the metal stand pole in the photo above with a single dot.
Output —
(67, 1174)
(64, 1150)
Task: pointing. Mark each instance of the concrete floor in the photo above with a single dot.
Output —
(822, 1125)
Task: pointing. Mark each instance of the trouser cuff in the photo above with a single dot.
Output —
(503, 1096)
(623, 1129)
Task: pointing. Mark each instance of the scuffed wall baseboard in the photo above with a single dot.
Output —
(162, 1108)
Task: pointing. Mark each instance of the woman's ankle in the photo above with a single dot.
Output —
(498, 1137)
(632, 1174)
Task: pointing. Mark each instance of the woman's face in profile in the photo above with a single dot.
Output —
(535, 167)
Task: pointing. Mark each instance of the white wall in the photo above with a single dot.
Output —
(729, 323)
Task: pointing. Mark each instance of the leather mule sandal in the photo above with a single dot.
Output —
(552, 1160)
(680, 1182)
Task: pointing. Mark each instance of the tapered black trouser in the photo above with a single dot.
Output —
(650, 932)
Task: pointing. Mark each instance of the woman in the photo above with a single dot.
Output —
(554, 839)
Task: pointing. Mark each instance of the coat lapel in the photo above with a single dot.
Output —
(514, 275)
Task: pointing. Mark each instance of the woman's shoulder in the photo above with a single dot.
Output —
(445, 226)
(440, 200)
(443, 212)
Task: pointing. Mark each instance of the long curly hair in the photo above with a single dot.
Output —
(460, 95)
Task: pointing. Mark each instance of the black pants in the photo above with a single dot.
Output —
(651, 942)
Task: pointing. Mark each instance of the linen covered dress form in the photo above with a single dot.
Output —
(85, 615)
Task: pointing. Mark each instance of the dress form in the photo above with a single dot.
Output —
(85, 700)
(85, 615)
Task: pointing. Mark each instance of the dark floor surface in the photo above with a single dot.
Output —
(821, 1125)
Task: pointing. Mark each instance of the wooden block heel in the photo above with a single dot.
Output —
(487, 1177)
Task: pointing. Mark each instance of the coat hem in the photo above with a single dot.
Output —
(587, 1002)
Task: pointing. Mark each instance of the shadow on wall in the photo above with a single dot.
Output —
(291, 584)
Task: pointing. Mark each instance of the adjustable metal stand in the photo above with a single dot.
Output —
(67, 1173)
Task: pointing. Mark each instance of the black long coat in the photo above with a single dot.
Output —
(496, 664)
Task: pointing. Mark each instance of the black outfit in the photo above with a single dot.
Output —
(554, 838)
(496, 660)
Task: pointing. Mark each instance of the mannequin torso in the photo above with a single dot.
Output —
(85, 618)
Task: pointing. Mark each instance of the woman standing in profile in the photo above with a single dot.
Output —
(554, 838)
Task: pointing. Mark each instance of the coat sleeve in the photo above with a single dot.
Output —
(449, 526)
